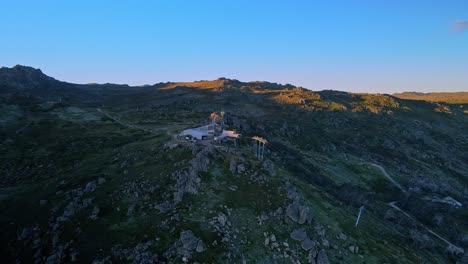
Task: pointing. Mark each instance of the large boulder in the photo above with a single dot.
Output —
(188, 240)
(298, 234)
(293, 212)
(322, 257)
(307, 244)
(305, 215)
(201, 247)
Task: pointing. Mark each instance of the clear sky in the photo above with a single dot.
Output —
(361, 46)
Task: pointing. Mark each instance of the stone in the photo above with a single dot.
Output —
(201, 247)
(240, 168)
(307, 244)
(264, 217)
(325, 243)
(233, 166)
(269, 167)
(304, 215)
(298, 234)
(90, 187)
(312, 255)
(322, 257)
(94, 213)
(188, 240)
(101, 180)
(222, 219)
(43, 202)
(273, 238)
(293, 212)
(342, 236)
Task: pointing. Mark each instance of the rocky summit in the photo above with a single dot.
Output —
(226, 171)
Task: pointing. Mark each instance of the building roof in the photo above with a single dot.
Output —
(228, 133)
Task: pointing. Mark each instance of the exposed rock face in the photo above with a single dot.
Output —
(188, 243)
(299, 214)
(187, 180)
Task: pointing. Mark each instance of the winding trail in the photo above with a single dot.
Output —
(384, 172)
(393, 205)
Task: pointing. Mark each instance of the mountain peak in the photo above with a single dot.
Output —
(23, 77)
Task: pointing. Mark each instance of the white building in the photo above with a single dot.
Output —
(196, 133)
(200, 133)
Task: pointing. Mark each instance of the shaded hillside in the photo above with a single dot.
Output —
(96, 173)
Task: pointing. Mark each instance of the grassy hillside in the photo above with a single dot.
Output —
(95, 173)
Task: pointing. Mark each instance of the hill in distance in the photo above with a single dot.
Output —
(96, 173)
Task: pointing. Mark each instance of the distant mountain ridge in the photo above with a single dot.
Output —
(25, 77)
(446, 97)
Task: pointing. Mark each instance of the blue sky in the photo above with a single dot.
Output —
(360, 46)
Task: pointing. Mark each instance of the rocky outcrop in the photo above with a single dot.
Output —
(188, 244)
(188, 180)
(299, 214)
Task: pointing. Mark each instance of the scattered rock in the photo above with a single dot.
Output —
(43, 202)
(101, 180)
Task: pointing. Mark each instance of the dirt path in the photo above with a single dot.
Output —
(384, 172)
(393, 205)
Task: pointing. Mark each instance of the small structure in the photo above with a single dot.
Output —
(200, 133)
(259, 146)
(227, 134)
